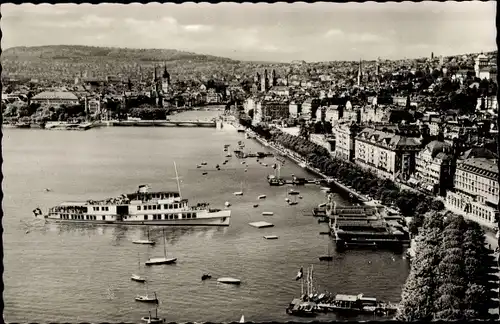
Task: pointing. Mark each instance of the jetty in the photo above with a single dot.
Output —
(365, 226)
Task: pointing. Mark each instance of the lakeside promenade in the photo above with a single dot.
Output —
(490, 236)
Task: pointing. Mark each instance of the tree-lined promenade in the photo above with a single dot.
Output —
(409, 203)
(452, 274)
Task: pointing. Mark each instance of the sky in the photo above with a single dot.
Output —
(279, 32)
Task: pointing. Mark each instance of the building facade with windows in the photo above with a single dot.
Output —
(344, 140)
(433, 168)
(476, 192)
(386, 154)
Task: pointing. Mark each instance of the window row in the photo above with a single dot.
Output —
(103, 208)
(79, 217)
(170, 216)
(158, 207)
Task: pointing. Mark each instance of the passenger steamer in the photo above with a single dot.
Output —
(162, 208)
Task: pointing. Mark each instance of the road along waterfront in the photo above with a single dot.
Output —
(82, 273)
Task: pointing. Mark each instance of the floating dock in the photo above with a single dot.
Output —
(261, 224)
(365, 226)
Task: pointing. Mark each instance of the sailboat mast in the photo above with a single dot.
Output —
(177, 178)
(164, 245)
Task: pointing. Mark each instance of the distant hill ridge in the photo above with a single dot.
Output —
(79, 52)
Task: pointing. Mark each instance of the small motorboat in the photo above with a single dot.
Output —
(228, 280)
(228, 155)
(137, 278)
(293, 192)
(264, 164)
(203, 163)
(204, 173)
(198, 166)
(217, 166)
(271, 237)
(238, 193)
(300, 197)
(47, 189)
(147, 299)
(326, 258)
(149, 242)
(292, 203)
(243, 162)
(206, 276)
(287, 199)
(256, 205)
(261, 197)
(266, 213)
(153, 319)
(227, 204)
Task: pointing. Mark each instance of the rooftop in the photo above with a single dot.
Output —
(47, 95)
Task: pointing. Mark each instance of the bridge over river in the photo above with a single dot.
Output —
(161, 123)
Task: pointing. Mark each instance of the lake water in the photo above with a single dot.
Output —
(78, 273)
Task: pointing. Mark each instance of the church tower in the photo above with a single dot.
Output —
(360, 74)
(265, 82)
(165, 82)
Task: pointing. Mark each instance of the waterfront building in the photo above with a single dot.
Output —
(308, 107)
(294, 109)
(388, 155)
(345, 134)
(434, 168)
(92, 106)
(476, 192)
(55, 98)
(267, 110)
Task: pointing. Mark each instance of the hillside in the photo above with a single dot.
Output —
(66, 61)
(107, 54)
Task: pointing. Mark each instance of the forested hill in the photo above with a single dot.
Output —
(77, 53)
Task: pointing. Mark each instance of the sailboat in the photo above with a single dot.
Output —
(239, 193)
(146, 298)
(153, 319)
(242, 319)
(148, 241)
(328, 256)
(164, 259)
(136, 277)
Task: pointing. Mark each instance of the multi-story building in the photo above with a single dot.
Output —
(345, 134)
(388, 155)
(475, 192)
(55, 98)
(434, 168)
(333, 113)
(271, 110)
(283, 91)
(294, 109)
(373, 113)
(308, 107)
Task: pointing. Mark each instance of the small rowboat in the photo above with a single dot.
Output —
(267, 213)
(271, 237)
(228, 280)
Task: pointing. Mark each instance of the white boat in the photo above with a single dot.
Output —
(153, 319)
(262, 197)
(267, 213)
(242, 319)
(136, 277)
(164, 259)
(227, 204)
(239, 193)
(228, 280)
(148, 241)
(271, 237)
(147, 298)
(228, 155)
(264, 164)
(162, 208)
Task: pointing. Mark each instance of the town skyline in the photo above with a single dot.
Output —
(262, 32)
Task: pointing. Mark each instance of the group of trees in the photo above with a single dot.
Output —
(408, 202)
(149, 113)
(451, 276)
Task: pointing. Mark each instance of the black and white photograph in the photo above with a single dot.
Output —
(250, 162)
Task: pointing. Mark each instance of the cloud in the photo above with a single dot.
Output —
(198, 28)
(366, 38)
(334, 33)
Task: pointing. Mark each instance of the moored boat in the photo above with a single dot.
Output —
(153, 319)
(164, 259)
(160, 208)
(229, 280)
